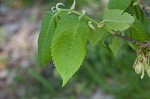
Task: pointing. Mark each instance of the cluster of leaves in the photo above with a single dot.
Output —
(65, 32)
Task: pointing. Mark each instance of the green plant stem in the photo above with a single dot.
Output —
(77, 13)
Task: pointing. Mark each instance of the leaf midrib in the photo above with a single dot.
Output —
(127, 22)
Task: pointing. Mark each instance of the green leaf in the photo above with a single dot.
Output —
(116, 20)
(96, 35)
(69, 46)
(119, 4)
(147, 27)
(107, 39)
(45, 37)
(115, 46)
(138, 12)
(137, 32)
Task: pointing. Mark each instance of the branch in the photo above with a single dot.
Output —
(145, 44)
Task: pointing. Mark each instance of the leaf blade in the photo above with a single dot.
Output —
(115, 46)
(96, 35)
(69, 46)
(45, 37)
(117, 20)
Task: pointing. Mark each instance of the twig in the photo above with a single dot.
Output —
(145, 44)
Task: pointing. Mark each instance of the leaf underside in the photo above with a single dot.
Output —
(69, 46)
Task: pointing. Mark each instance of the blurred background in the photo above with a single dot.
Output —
(102, 76)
